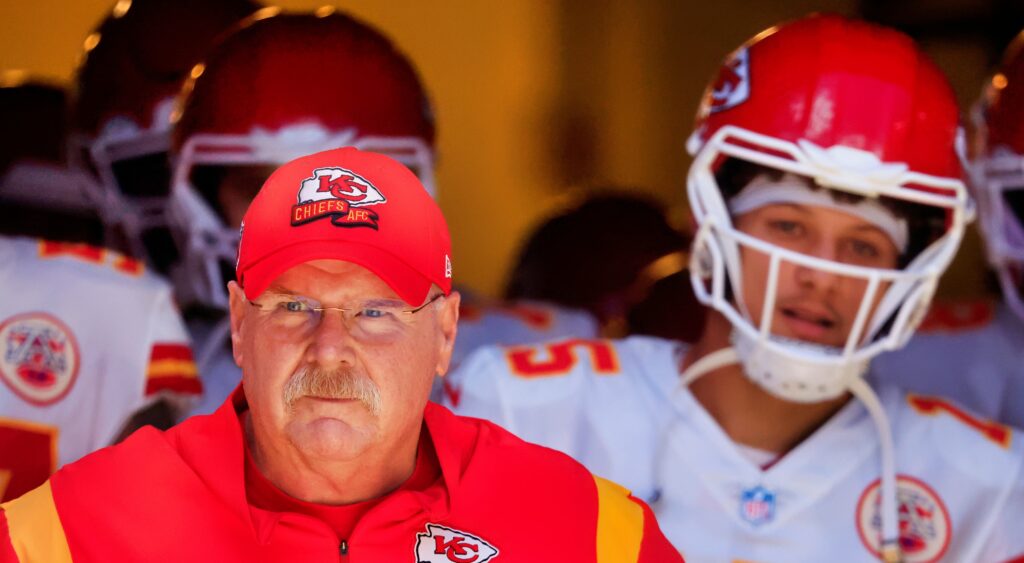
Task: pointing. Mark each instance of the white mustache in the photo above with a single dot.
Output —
(332, 384)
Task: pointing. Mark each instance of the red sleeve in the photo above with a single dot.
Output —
(1018, 559)
(655, 548)
(7, 554)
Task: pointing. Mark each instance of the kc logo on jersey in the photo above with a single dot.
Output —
(445, 545)
(340, 194)
(732, 87)
(924, 520)
(39, 357)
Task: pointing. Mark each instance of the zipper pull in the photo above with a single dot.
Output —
(343, 548)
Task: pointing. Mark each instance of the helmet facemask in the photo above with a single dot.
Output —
(1000, 195)
(892, 301)
(133, 173)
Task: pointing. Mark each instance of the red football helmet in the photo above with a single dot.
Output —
(132, 68)
(279, 87)
(858, 110)
(998, 172)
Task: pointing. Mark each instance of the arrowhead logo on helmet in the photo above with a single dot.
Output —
(334, 192)
(732, 87)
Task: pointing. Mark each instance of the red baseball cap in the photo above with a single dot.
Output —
(351, 205)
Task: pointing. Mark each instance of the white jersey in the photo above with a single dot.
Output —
(520, 322)
(617, 407)
(87, 338)
(970, 352)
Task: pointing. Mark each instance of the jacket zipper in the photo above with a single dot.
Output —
(343, 549)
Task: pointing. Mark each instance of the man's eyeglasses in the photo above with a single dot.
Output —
(371, 319)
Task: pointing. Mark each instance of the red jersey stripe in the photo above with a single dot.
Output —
(170, 351)
(188, 385)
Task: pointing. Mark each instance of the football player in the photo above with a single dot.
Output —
(91, 345)
(974, 351)
(132, 67)
(91, 348)
(281, 86)
(828, 198)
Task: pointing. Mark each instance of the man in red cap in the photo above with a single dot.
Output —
(342, 315)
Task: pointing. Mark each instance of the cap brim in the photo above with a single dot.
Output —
(409, 284)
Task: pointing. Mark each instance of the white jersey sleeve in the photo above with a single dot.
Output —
(87, 339)
(585, 397)
(971, 352)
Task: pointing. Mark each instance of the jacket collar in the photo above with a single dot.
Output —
(213, 446)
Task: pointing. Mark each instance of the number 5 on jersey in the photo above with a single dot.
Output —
(559, 358)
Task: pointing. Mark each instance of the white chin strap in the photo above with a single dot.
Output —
(810, 373)
(709, 363)
(890, 543)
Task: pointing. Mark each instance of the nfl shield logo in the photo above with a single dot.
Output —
(757, 505)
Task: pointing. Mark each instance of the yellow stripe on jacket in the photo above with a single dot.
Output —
(620, 524)
(36, 532)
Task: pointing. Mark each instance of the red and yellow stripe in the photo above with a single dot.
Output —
(91, 254)
(620, 524)
(172, 368)
(34, 527)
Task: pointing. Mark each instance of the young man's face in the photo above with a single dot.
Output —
(812, 305)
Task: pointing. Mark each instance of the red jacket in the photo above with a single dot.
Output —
(180, 496)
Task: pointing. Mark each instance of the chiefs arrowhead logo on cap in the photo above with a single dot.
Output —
(337, 193)
(445, 545)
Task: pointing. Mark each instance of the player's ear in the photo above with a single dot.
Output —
(447, 328)
(239, 307)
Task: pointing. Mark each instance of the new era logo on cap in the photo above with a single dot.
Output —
(308, 210)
